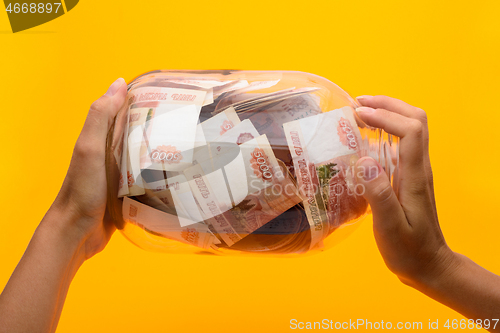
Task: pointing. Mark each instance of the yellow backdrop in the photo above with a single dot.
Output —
(439, 55)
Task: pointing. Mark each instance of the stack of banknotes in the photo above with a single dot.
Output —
(219, 164)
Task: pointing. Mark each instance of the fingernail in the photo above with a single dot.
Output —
(363, 98)
(365, 109)
(367, 168)
(114, 87)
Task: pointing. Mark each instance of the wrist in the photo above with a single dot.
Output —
(443, 266)
(59, 227)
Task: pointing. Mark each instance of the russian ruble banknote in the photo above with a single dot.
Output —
(260, 100)
(167, 225)
(241, 188)
(214, 127)
(130, 181)
(325, 149)
(270, 121)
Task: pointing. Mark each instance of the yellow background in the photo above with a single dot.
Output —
(442, 56)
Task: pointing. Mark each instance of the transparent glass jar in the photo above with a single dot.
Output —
(239, 162)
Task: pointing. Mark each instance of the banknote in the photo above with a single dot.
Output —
(123, 161)
(286, 233)
(210, 129)
(204, 83)
(219, 124)
(256, 85)
(224, 153)
(137, 123)
(171, 140)
(210, 207)
(167, 95)
(274, 99)
(229, 87)
(169, 103)
(173, 195)
(239, 134)
(161, 185)
(184, 202)
(135, 156)
(161, 200)
(163, 84)
(270, 121)
(237, 195)
(325, 148)
(119, 127)
(330, 134)
(166, 225)
(341, 193)
(199, 136)
(217, 87)
(260, 100)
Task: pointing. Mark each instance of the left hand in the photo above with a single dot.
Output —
(83, 194)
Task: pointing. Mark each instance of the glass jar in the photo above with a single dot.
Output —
(239, 162)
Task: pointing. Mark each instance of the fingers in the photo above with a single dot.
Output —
(394, 105)
(409, 130)
(388, 215)
(404, 109)
(101, 116)
(399, 107)
(103, 110)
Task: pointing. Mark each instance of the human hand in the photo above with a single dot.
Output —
(405, 225)
(83, 194)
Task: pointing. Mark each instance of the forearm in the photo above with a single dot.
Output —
(32, 299)
(468, 289)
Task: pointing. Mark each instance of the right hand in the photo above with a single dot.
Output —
(405, 226)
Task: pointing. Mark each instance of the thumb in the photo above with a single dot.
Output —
(387, 211)
(103, 111)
